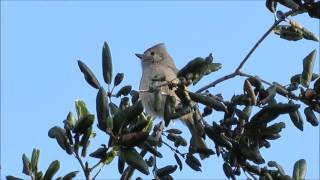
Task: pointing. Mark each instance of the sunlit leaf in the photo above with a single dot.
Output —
(83, 124)
(26, 165)
(299, 170)
(52, 170)
(81, 108)
(308, 63)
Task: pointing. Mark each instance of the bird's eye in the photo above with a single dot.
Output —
(152, 53)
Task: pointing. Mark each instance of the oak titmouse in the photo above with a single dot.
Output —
(156, 62)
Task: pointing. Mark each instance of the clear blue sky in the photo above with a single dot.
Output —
(40, 80)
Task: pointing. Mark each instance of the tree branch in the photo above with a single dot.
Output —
(85, 171)
(237, 71)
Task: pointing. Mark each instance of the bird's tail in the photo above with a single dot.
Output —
(196, 141)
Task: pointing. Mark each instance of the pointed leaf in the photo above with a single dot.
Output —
(118, 79)
(133, 139)
(124, 91)
(81, 108)
(133, 158)
(308, 63)
(271, 5)
(102, 109)
(12, 178)
(311, 117)
(109, 157)
(88, 75)
(83, 124)
(26, 165)
(166, 170)
(178, 161)
(52, 170)
(70, 175)
(121, 164)
(106, 63)
(35, 159)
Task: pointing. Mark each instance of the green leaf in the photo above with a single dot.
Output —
(124, 91)
(109, 157)
(70, 175)
(208, 101)
(166, 170)
(125, 116)
(309, 35)
(311, 117)
(313, 10)
(35, 160)
(272, 111)
(26, 165)
(289, 3)
(134, 96)
(121, 165)
(198, 67)
(12, 178)
(271, 5)
(133, 139)
(272, 90)
(102, 109)
(168, 109)
(52, 170)
(178, 161)
(251, 152)
(60, 135)
(276, 165)
(299, 170)
(174, 131)
(100, 153)
(274, 129)
(296, 118)
(118, 79)
(152, 150)
(288, 32)
(308, 63)
(228, 170)
(81, 108)
(84, 123)
(133, 158)
(88, 75)
(39, 175)
(106, 63)
(193, 162)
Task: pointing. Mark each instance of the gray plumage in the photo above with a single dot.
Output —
(156, 62)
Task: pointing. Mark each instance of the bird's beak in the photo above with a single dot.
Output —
(140, 56)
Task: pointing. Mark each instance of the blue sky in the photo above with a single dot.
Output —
(41, 42)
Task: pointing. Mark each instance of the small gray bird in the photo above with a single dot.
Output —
(156, 62)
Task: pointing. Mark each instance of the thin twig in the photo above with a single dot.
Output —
(94, 177)
(86, 173)
(96, 165)
(173, 149)
(214, 83)
(237, 71)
